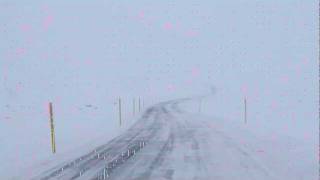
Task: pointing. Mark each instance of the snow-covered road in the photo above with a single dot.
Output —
(166, 143)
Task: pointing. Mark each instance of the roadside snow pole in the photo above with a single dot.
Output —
(200, 105)
(53, 142)
(139, 104)
(134, 107)
(120, 111)
(142, 104)
(245, 110)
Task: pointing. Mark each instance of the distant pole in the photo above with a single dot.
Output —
(200, 105)
(53, 141)
(139, 104)
(134, 107)
(120, 111)
(142, 103)
(245, 110)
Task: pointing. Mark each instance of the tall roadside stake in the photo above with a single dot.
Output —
(245, 110)
(139, 105)
(120, 111)
(53, 140)
(134, 107)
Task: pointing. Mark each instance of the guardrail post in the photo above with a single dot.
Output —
(104, 173)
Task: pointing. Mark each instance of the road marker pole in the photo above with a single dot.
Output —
(245, 110)
(134, 107)
(139, 105)
(120, 112)
(53, 142)
(143, 104)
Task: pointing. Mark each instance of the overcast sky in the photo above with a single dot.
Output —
(93, 51)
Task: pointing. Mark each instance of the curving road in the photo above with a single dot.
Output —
(166, 143)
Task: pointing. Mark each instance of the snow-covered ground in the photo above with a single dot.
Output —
(82, 56)
(27, 144)
(207, 146)
(290, 150)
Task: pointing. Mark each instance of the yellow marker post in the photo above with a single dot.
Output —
(53, 142)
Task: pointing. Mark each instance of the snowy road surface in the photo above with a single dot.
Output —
(166, 143)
